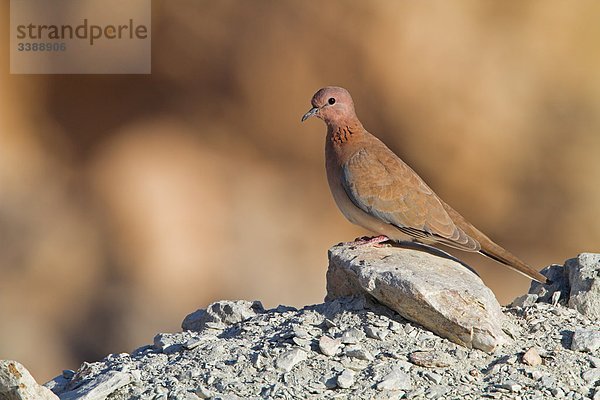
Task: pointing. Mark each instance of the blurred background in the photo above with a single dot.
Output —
(127, 201)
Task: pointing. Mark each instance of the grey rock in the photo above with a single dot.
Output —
(584, 278)
(434, 291)
(329, 346)
(256, 358)
(357, 351)
(68, 373)
(203, 392)
(526, 300)
(352, 336)
(288, 359)
(16, 383)
(433, 377)
(437, 391)
(591, 375)
(346, 379)
(376, 333)
(99, 388)
(166, 343)
(586, 340)
(547, 381)
(395, 380)
(559, 275)
(430, 359)
(222, 314)
(511, 386)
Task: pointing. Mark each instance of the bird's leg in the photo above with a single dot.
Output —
(375, 241)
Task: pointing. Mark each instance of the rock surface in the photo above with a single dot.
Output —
(436, 292)
(16, 383)
(348, 347)
(584, 281)
(221, 314)
(278, 354)
(576, 284)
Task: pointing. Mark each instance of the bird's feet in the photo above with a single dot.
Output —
(374, 241)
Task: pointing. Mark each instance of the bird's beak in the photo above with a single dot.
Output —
(313, 111)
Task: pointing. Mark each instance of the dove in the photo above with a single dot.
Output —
(375, 189)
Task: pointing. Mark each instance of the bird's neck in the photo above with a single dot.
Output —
(341, 133)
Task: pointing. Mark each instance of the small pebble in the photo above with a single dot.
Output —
(352, 336)
(395, 380)
(68, 373)
(356, 351)
(532, 357)
(346, 379)
(376, 333)
(430, 359)
(511, 386)
(329, 346)
(433, 377)
(288, 359)
(591, 375)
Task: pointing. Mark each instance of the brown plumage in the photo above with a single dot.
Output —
(375, 189)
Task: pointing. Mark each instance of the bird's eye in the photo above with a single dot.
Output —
(331, 101)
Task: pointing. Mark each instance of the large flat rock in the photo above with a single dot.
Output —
(434, 291)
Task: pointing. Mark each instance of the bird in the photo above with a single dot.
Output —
(375, 189)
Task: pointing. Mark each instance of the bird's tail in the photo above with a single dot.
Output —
(495, 252)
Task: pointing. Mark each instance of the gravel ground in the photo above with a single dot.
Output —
(349, 348)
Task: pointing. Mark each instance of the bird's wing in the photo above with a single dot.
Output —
(380, 184)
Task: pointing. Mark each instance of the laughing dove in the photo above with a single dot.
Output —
(375, 189)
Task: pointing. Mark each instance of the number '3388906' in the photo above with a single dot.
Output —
(35, 46)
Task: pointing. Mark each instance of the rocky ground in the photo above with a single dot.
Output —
(351, 347)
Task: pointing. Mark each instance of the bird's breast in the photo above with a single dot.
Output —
(354, 214)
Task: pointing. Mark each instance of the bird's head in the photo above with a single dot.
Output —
(333, 105)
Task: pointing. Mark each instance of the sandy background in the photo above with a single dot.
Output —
(127, 202)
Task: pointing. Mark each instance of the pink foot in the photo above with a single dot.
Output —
(375, 241)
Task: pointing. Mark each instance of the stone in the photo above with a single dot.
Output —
(395, 380)
(329, 346)
(586, 340)
(346, 379)
(203, 392)
(352, 336)
(584, 278)
(433, 291)
(511, 386)
(166, 343)
(288, 359)
(357, 351)
(99, 388)
(192, 343)
(526, 300)
(532, 357)
(16, 383)
(222, 313)
(376, 333)
(559, 276)
(591, 375)
(437, 391)
(433, 377)
(68, 373)
(430, 359)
